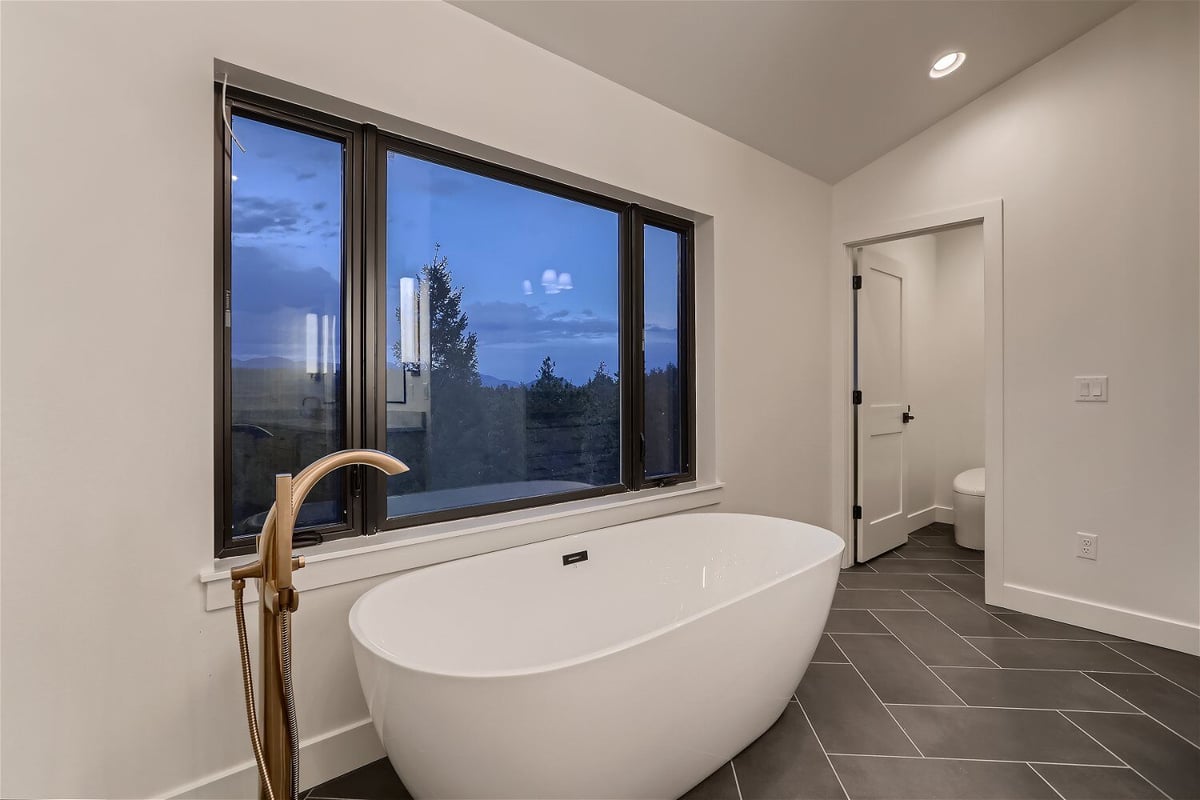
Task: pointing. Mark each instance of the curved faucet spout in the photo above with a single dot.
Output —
(275, 542)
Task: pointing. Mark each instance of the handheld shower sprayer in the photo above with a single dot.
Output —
(277, 745)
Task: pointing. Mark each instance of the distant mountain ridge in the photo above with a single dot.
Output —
(492, 382)
(266, 362)
(279, 362)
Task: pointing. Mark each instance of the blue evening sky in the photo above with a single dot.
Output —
(496, 237)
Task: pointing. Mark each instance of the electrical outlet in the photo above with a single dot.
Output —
(1087, 545)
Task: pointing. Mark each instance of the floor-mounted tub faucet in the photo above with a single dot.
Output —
(277, 747)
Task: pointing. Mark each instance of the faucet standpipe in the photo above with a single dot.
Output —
(277, 748)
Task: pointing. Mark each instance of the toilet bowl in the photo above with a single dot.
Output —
(968, 509)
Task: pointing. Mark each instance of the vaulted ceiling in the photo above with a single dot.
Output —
(824, 85)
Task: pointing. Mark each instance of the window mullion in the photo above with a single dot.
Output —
(373, 326)
(633, 371)
(357, 318)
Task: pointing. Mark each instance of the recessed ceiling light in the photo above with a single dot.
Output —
(947, 64)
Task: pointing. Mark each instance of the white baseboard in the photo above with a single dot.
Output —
(1170, 633)
(322, 757)
(943, 514)
(921, 518)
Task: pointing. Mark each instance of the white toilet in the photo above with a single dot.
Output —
(968, 509)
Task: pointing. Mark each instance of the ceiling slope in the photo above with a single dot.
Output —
(824, 85)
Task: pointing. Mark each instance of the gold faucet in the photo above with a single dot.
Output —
(276, 749)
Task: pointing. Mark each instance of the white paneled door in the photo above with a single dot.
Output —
(882, 413)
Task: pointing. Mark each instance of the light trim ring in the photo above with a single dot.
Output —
(947, 64)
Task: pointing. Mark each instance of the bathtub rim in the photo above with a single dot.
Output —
(592, 655)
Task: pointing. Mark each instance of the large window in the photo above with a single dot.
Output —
(514, 341)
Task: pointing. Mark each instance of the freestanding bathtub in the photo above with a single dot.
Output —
(628, 662)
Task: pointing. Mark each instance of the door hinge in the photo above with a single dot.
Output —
(856, 397)
(857, 511)
(856, 282)
(356, 481)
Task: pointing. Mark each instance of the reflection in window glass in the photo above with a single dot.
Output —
(503, 340)
(663, 267)
(286, 317)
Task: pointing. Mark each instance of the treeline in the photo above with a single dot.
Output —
(548, 430)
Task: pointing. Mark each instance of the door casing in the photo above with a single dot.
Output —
(989, 214)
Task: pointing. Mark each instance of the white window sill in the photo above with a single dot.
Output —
(359, 557)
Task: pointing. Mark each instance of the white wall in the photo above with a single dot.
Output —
(957, 412)
(116, 681)
(1094, 152)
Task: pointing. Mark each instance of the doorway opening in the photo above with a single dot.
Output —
(919, 397)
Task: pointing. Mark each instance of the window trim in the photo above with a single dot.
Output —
(365, 348)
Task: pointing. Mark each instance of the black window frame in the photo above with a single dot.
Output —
(640, 218)
(364, 338)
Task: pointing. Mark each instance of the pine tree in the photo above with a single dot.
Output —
(602, 427)
(454, 442)
(453, 350)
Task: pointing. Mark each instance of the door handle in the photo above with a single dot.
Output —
(906, 417)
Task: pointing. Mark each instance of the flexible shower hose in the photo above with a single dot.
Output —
(289, 699)
(248, 683)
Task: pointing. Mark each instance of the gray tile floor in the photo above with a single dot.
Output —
(921, 691)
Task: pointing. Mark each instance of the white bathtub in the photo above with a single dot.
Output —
(634, 673)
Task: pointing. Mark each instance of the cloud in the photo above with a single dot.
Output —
(423, 177)
(266, 215)
(446, 185)
(263, 282)
(500, 323)
(305, 176)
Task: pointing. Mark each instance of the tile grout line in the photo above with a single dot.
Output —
(981, 608)
(737, 784)
(918, 658)
(1145, 712)
(1110, 691)
(1143, 666)
(878, 698)
(1111, 753)
(986, 760)
(1055, 639)
(1045, 780)
(821, 745)
(1018, 708)
(956, 633)
(1039, 669)
(967, 566)
(888, 609)
(882, 589)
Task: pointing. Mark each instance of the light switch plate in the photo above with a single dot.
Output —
(1091, 388)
